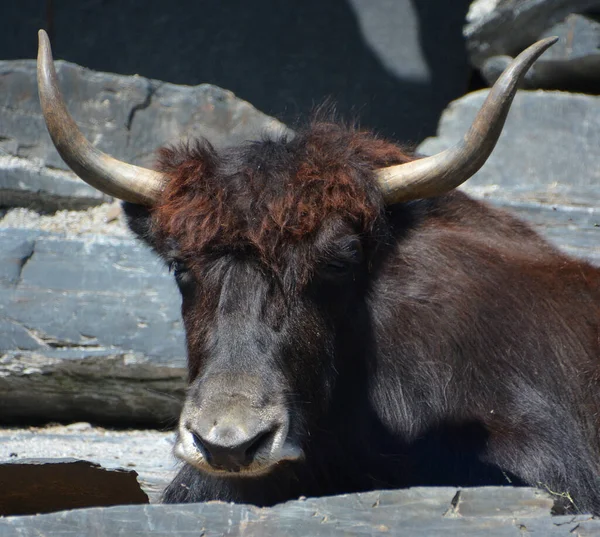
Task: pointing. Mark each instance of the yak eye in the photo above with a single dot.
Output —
(180, 271)
(352, 248)
(176, 266)
(339, 266)
(344, 257)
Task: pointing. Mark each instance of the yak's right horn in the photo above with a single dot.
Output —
(103, 172)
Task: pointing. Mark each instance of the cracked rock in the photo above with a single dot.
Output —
(128, 117)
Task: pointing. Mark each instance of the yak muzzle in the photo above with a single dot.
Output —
(231, 434)
(232, 448)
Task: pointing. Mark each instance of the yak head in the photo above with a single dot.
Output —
(270, 244)
(273, 246)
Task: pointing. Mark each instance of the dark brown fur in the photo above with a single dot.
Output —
(331, 175)
(456, 348)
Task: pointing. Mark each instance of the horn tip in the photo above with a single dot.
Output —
(545, 44)
(44, 48)
(42, 36)
(549, 41)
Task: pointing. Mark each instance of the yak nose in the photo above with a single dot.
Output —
(230, 448)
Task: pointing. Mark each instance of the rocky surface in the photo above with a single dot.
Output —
(494, 511)
(128, 117)
(31, 183)
(105, 219)
(89, 330)
(545, 165)
(573, 63)
(147, 452)
(31, 486)
(506, 27)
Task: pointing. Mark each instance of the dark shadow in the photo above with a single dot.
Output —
(451, 455)
(282, 57)
(443, 45)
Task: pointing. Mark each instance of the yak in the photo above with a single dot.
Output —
(353, 322)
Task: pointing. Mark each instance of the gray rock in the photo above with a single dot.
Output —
(32, 486)
(127, 117)
(573, 63)
(147, 452)
(506, 27)
(29, 183)
(90, 329)
(545, 167)
(494, 511)
(105, 219)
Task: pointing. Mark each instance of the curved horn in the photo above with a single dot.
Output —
(438, 174)
(107, 174)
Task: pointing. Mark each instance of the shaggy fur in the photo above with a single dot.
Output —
(270, 195)
(437, 342)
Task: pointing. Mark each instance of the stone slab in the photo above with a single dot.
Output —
(90, 329)
(148, 452)
(506, 27)
(494, 511)
(571, 64)
(33, 486)
(128, 117)
(29, 183)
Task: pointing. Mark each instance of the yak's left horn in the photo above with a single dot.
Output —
(103, 172)
(438, 174)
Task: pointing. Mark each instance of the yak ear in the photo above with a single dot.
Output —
(139, 221)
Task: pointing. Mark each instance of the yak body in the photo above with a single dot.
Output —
(434, 342)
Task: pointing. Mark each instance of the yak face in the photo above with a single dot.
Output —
(271, 245)
(262, 357)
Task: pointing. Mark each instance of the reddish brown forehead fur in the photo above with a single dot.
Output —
(271, 194)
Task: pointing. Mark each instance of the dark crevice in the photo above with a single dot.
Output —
(150, 91)
(51, 342)
(452, 511)
(57, 169)
(23, 261)
(61, 344)
(45, 203)
(56, 343)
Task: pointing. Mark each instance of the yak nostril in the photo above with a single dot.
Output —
(255, 444)
(199, 443)
(230, 456)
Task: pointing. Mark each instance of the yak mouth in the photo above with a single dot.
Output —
(236, 428)
(264, 462)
